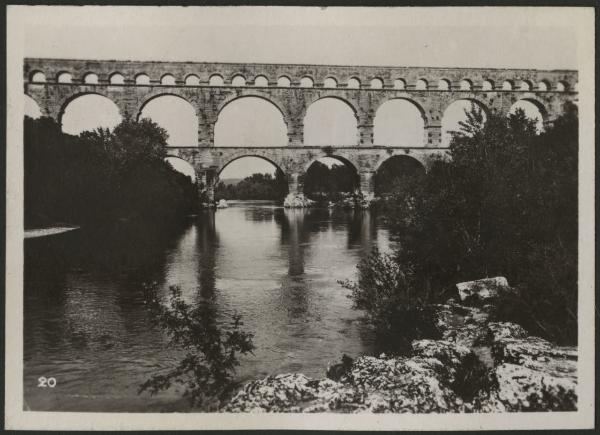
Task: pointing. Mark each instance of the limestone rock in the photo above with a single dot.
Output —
(222, 204)
(297, 201)
(476, 366)
(483, 289)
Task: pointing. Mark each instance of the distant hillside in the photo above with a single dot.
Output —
(230, 181)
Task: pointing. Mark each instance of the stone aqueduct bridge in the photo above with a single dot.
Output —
(495, 90)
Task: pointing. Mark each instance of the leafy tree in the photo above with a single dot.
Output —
(256, 186)
(504, 204)
(322, 182)
(211, 352)
(101, 175)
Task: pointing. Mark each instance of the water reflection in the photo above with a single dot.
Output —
(85, 317)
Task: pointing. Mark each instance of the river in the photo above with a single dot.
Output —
(86, 324)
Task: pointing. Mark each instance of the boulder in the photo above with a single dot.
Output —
(483, 289)
(297, 200)
(222, 204)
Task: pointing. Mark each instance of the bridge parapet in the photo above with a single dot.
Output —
(387, 76)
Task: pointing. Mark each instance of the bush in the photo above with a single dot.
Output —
(211, 354)
(386, 292)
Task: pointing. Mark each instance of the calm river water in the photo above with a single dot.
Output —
(87, 326)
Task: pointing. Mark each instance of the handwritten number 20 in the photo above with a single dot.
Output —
(46, 382)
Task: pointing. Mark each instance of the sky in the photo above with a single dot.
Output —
(455, 37)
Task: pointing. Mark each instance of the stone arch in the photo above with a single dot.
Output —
(37, 76)
(284, 82)
(352, 184)
(466, 85)
(376, 83)
(263, 95)
(31, 107)
(216, 80)
(261, 154)
(185, 167)
(543, 86)
(507, 85)
(400, 84)
(317, 129)
(487, 85)
(421, 85)
(451, 117)
(330, 83)
(167, 80)
(238, 80)
(345, 159)
(116, 113)
(90, 78)
(416, 157)
(192, 80)
(562, 86)
(275, 135)
(394, 168)
(142, 79)
(64, 77)
(180, 122)
(525, 85)
(157, 93)
(537, 104)
(307, 82)
(390, 127)
(353, 83)
(444, 85)
(116, 78)
(261, 81)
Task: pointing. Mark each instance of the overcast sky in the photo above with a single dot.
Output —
(454, 37)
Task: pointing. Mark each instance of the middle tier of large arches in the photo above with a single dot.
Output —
(319, 117)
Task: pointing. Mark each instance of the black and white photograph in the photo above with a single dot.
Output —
(300, 217)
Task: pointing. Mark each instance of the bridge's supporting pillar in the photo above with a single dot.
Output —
(207, 180)
(365, 134)
(295, 197)
(433, 136)
(296, 183)
(366, 187)
(295, 132)
(206, 134)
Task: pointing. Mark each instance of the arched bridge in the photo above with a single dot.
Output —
(209, 87)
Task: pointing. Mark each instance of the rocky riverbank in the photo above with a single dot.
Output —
(478, 365)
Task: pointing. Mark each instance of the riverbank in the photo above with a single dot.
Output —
(478, 365)
(50, 231)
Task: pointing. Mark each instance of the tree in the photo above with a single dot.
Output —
(504, 204)
(101, 175)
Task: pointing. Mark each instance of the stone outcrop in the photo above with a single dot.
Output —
(297, 200)
(477, 366)
(483, 289)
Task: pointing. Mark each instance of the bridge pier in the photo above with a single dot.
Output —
(206, 181)
(367, 187)
(295, 197)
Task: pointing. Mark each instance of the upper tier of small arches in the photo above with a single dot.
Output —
(283, 76)
(142, 79)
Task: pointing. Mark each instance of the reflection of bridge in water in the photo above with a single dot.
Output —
(292, 89)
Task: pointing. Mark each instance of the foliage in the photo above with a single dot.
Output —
(325, 183)
(504, 204)
(211, 353)
(386, 292)
(101, 175)
(256, 186)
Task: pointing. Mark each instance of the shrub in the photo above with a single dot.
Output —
(385, 291)
(211, 353)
